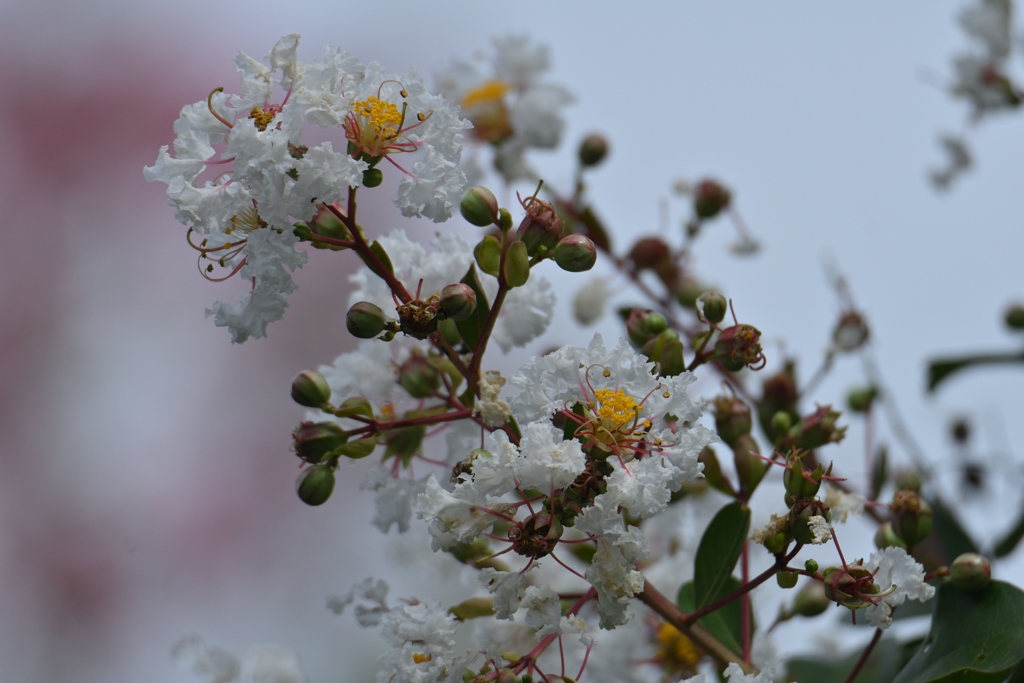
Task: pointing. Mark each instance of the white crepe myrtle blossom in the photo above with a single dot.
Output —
(372, 591)
(422, 639)
(262, 664)
(899, 577)
(393, 498)
(525, 315)
(821, 530)
(840, 503)
(460, 516)
(489, 407)
(512, 110)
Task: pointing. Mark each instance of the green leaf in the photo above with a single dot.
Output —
(356, 405)
(719, 549)
(725, 624)
(880, 472)
(471, 327)
(940, 370)
(882, 666)
(1010, 541)
(976, 637)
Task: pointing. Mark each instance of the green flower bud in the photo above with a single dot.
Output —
(819, 429)
(656, 323)
(885, 537)
(458, 301)
(750, 469)
(911, 517)
(1015, 317)
(479, 207)
(908, 480)
(315, 485)
(732, 418)
(310, 389)
(517, 265)
(541, 227)
(709, 198)
(811, 600)
(851, 332)
(670, 362)
(575, 254)
(418, 377)
(593, 150)
(652, 349)
(860, 399)
(713, 306)
(811, 565)
(970, 571)
(327, 224)
(504, 220)
(372, 177)
(781, 422)
(652, 253)
(313, 441)
(365, 320)
(640, 329)
(800, 485)
(786, 579)
(487, 253)
(713, 471)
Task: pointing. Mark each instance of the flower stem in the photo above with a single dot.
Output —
(742, 590)
(864, 656)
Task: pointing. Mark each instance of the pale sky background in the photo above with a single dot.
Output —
(147, 490)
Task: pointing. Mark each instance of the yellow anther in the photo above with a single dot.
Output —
(419, 659)
(209, 268)
(261, 117)
(607, 373)
(616, 406)
(381, 114)
(666, 395)
(421, 117)
(404, 93)
(491, 91)
(647, 424)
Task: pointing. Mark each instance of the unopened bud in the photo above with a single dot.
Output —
(418, 377)
(885, 537)
(709, 198)
(811, 565)
(653, 348)
(651, 253)
(732, 418)
(799, 484)
(819, 429)
(851, 332)
(750, 469)
(670, 361)
(908, 480)
(479, 207)
(713, 471)
(313, 441)
(911, 517)
(786, 579)
(541, 227)
(458, 301)
(811, 600)
(1015, 317)
(970, 571)
(642, 325)
(327, 224)
(860, 400)
(575, 254)
(781, 423)
(372, 177)
(593, 149)
(713, 306)
(365, 320)
(315, 485)
(310, 389)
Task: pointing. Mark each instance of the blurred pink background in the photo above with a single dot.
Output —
(146, 489)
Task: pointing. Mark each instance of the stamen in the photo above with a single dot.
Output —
(209, 105)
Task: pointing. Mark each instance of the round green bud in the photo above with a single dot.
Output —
(970, 571)
(418, 377)
(709, 198)
(911, 517)
(786, 579)
(313, 441)
(713, 305)
(593, 149)
(908, 480)
(811, 600)
(372, 177)
(1015, 317)
(315, 485)
(310, 389)
(781, 422)
(458, 301)
(732, 418)
(885, 537)
(479, 207)
(811, 566)
(365, 320)
(575, 254)
(860, 399)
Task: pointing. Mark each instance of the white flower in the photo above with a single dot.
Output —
(369, 371)
(543, 610)
(589, 302)
(511, 109)
(263, 663)
(821, 530)
(899, 572)
(374, 591)
(525, 315)
(423, 640)
(735, 674)
(489, 407)
(458, 517)
(393, 498)
(508, 589)
(776, 524)
(547, 461)
(841, 504)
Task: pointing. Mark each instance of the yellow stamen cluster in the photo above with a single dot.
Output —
(616, 406)
(676, 652)
(384, 116)
(419, 659)
(246, 222)
(262, 118)
(491, 91)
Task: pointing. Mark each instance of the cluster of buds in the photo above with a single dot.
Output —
(649, 332)
(417, 318)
